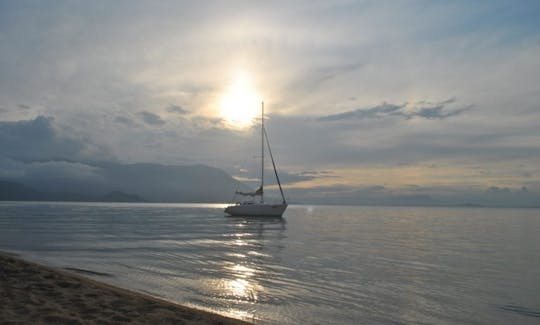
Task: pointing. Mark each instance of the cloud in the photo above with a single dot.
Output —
(123, 120)
(151, 118)
(38, 139)
(422, 109)
(60, 169)
(286, 177)
(498, 190)
(203, 122)
(316, 173)
(177, 109)
(436, 112)
(379, 111)
(393, 150)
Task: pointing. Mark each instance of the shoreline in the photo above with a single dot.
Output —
(31, 292)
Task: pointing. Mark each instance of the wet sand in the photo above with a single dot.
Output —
(33, 293)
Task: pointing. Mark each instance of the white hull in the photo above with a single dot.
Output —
(256, 210)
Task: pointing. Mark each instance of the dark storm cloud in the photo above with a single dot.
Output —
(423, 109)
(151, 118)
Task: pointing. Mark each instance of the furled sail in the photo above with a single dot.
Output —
(258, 192)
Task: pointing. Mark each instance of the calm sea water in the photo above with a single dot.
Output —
(318, 265)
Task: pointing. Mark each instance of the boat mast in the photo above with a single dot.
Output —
(274, 165)
(262, 152)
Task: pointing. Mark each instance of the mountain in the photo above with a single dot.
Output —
(110, 181)
(118, 196)
(154, 182)
(13, 191)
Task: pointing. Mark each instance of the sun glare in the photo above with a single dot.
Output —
(239, 103)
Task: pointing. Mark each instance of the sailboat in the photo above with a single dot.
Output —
(261, 208)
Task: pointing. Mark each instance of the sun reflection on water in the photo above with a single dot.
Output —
(239, 242)
(243, 271)
(244, 286)
(238, 285)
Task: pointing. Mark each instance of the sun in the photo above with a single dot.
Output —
(239, 103)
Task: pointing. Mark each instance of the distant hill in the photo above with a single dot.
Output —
(13, 191)
(117, 182)
(118, 196)
(160, 183)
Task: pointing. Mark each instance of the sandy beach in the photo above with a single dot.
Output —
(33, 293)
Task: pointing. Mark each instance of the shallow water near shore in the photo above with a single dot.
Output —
(317, 265)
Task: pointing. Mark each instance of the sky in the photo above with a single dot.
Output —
(407, 97)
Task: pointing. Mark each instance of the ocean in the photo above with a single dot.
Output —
(317, 265)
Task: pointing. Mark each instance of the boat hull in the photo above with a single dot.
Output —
(256, 210)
